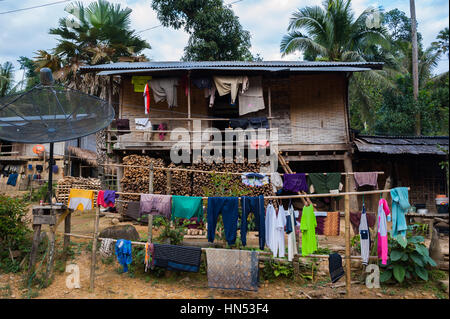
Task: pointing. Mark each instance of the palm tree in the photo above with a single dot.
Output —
(94, 34)
(332, 33)
(6, 78)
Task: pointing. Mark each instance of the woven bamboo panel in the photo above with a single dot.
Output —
(64, 185)
(318, 109)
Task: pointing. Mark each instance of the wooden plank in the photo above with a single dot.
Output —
(94, 248)
(347, 238)
(313, 147)
(315, 158)
(44, 219)
(34, 248)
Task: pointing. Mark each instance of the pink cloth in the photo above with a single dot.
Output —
(366, 178)
(101, 200)
(257, 144)
(383, 211)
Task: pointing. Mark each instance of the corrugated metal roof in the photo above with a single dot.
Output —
(229, 65)
(265, 69)
(402, 144)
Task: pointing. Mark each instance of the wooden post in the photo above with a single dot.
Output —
(169, 182)
(51, 254)
(67, 231)
(270, 106)
(34, 248)
(94, 248)
(149, 216)
(348, 276)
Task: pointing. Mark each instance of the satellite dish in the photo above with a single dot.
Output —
(50, 113)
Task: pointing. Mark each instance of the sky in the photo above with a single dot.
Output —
(24, 32)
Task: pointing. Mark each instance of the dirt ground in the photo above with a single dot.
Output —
(110, 283)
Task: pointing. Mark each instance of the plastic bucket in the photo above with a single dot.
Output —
(441, 200)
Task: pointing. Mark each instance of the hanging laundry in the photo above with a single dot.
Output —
(366, 178)
(228, 207)
(276, 180)
(259, 144)
(355, 218)
(258, 122)
(139, 82)
(30, 167)
(308, 225)
(364, 235)
(332, 224)
(123, 125)
(335, 267)
(12, 179)
(146, 96)
(187, 207)
(55, 169)
(156, 205)
(106, 247)
(382, 242)
(175, 257)
(295, 182)
(101, 201)
(124, 253)
(254, 179)
(82, 197)
(143, 124)
(149, 252)
(165, 89)
(39, 168)
(252, 100)
(203, 83)
(162, 127)
(275, 230)
(239, 123)
(253, 205)
(230, 85)
(325, 183)
(290, 224)
(400, 206)
(106, 198)
(232, 269)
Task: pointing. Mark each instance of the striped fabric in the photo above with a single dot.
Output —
(177, 257)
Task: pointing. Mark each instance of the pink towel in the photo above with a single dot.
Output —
(101, 200)
(382, 246)
(366, 178)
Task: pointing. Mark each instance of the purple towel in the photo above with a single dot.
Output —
(156, 205)
(110, 197)
(366, 178)
(295, 182)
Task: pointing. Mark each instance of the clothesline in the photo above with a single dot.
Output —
(214, 172)
(275, 197)
(264, 253)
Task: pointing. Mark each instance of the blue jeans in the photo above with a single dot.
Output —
(255, 205)
(228, 207)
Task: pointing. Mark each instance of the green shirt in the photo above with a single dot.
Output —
(308, 226)
(187, 207)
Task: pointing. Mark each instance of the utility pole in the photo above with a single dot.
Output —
(415, 67)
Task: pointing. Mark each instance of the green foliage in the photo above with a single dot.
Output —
(174, 235)
(408, 259)
(14, 233)
(215, 32)
(273, 269)
(40, 193)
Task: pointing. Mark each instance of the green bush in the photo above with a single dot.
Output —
(14, 233)
(408, 259)
(273, 269)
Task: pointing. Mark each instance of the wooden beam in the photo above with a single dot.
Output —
(313, 147)
(315, 158)
(348, 276)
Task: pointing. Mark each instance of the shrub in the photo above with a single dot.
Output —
(408, 259)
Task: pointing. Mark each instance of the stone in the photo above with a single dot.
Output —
(128, 232)
(115, 221)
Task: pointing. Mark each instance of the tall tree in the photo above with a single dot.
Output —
(6, 78)
(30, 74)
(215, 31)
(441, 45)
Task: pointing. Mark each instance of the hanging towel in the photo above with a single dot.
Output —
(324, 183)
(123, 253)
(254, 179)
(332, 224)
(382, 242)
(228, 207)
(12, 179)
(162, 127)
(364, 236)
(156, 205)
(400, 206)
(252, 100)
(230, 85)
(143, 123)
(366, 178)
(39, 168)
(187, 207)
(275, 224)
(276, 180)
(55, 169)
(106, 198)
(232, 269)
(175, 257)
(82, 197)
(139, 82)
(308, 226)
(295, 182)
(106, 247)
(146, 96)
(335, 267)
(30, 167)
(165, 90)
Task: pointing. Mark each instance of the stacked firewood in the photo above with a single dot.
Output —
(65, 184)
(181, 181)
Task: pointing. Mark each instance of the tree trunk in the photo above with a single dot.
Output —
(415, 67)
